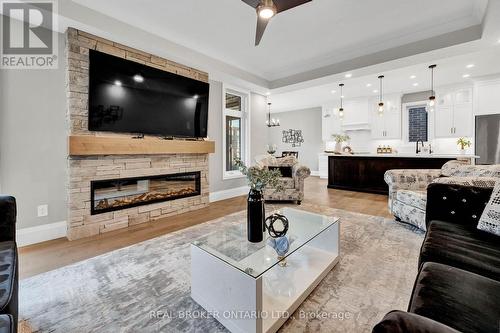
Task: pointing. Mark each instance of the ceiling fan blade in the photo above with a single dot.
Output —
(252, 3)
(283, 5)
(261, 27)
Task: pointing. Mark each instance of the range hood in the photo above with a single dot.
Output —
(356, 127)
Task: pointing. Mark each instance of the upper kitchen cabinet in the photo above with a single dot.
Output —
(331, 124)
(453, 113)
(388, 124)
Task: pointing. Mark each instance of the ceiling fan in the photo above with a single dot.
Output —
(267, 9)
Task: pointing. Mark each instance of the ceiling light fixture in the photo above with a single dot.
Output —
(348, 75)
(466, 76)
(333, 91)
(118, 83)
(138, 78)
(415, 84)
(341, 109)
(268, 93)
(381, 103)
(432, 98)
(375, 91)
(413, 77)
(470, 66)
(266, 9)
(271, 122)
(368, 85)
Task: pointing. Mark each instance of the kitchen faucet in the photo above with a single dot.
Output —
(417, 150)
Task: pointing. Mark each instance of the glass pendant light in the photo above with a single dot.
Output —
(341, 109)
(381, 103)
(432, 98)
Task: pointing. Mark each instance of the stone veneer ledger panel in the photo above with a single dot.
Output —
(82, 170)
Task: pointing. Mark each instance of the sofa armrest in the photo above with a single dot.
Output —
(301, 172)
(7, 218)
(405, 322)
(410, 179)
(456, 203)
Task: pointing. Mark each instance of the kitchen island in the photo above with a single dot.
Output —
(365, 172)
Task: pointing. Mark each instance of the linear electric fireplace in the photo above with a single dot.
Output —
(115, 194)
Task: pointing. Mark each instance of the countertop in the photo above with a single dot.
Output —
(423, 155)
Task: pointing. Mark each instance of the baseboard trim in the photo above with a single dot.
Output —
(227, 194)
(315, 173)
(41, 233)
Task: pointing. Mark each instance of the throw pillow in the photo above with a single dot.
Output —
(490, 219)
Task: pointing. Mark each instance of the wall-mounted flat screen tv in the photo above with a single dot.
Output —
(129, 97)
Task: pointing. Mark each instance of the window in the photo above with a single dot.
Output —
(235, 115)
(417, 124)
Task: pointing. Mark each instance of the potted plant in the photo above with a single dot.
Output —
(339, 139)
(258, 178)
(463, 143)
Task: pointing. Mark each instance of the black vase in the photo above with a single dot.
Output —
(255, 216)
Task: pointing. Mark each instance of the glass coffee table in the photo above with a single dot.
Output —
(246, 287)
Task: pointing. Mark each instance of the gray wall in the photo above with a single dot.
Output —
(309, 121)
(33, 141)
(258, 136)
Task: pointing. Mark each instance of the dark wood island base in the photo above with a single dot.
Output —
(366, 173)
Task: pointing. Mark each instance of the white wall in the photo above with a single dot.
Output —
(309, 121)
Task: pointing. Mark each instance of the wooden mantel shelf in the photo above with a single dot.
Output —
(87, 145)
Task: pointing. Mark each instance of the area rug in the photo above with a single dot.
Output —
(146, 287)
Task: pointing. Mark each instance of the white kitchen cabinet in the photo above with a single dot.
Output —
(387, 125)
(323, 165)
(462, 120)
(453, 114)
(331, 124)
(443, 116)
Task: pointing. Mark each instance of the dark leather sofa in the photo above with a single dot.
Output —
(9, 270)
(458, 285)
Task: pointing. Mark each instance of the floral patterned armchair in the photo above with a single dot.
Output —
(408, 188)
(291, 182)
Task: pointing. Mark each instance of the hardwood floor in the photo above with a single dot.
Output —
(50, 255)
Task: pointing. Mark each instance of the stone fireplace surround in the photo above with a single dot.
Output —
(84, 169)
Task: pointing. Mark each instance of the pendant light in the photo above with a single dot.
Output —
(341, 109)
(381, 103)
(271, 122)
(432, 98)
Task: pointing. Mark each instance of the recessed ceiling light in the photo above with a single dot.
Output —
(466, 76)
(268, 93)
(415, 84)
(348, 75)
(375, 91)
(413, 77)
(333, 91)
(118, 83)
(196, 96)
(368, 85)
(470, 66)
(138, 78)
(342, 96)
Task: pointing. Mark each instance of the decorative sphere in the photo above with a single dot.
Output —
(273, 225)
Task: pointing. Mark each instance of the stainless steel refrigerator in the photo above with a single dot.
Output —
(488, 139)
